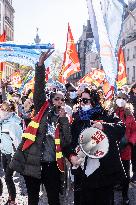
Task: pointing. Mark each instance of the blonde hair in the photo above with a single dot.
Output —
(8, 106)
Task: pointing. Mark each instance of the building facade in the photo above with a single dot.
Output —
(129, 42)
(7, 25)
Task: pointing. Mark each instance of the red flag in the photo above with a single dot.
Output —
(121, 75)
(16, 79)
(47, 74)
(71, 63)
(3, 37)
(96, 76)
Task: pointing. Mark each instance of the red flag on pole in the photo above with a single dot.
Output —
(47, 73)
(2, 39)
(121, 75)
(71, 63)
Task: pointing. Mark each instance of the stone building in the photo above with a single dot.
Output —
(7, 25)
(129, 41)
(7, 18)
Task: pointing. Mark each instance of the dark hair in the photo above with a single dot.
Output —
(52, 95)
(95, 98)
(67, 85)
(133, 86)
(70, 85)
(10, 105)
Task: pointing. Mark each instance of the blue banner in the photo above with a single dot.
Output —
(11, 44)
(21, 57)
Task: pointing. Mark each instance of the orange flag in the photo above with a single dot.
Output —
(96, 76)
(2, 39)
(71, 63)
(16, 79)
(121, 75)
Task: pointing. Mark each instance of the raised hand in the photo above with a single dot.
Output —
(44, 56)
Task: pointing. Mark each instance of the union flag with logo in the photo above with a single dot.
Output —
(121, 75)
(71, 63)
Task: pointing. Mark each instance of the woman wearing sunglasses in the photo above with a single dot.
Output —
(97, 188)
(44, 142)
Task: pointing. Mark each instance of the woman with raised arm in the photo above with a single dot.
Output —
(45, 141)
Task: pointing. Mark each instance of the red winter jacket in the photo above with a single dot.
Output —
(130, 124)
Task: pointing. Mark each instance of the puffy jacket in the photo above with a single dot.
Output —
(10, 134)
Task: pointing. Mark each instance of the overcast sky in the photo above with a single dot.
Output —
(51, 17)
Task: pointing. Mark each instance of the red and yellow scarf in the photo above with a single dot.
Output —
(31, 131)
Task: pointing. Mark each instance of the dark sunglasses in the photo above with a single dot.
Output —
(57, 99)
(84, 100)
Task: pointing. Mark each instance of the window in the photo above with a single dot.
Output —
(127, 54)
(128, 74)
(0, 11)
(134, 52)
(134, 74)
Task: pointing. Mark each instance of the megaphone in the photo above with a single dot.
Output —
(92, 143)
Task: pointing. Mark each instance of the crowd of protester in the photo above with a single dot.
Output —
(39, 133)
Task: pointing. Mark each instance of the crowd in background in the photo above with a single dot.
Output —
(57, 118)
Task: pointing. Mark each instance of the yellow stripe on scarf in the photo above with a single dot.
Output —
(29, 136)
(59, 155)
(34, 124)
(57, 141)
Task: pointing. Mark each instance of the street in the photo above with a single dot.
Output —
(22, 194)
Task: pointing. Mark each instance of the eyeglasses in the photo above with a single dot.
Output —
(57, 99)
(84, 100)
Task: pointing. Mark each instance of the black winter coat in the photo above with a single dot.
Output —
(110, 171)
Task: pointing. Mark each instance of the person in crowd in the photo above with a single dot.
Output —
(81, 88)
(132, 98)
(71, 95)
(1, 187)
(97, 188)
(44, 143)
(27, 111)
(124, 111)
(10, 137)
